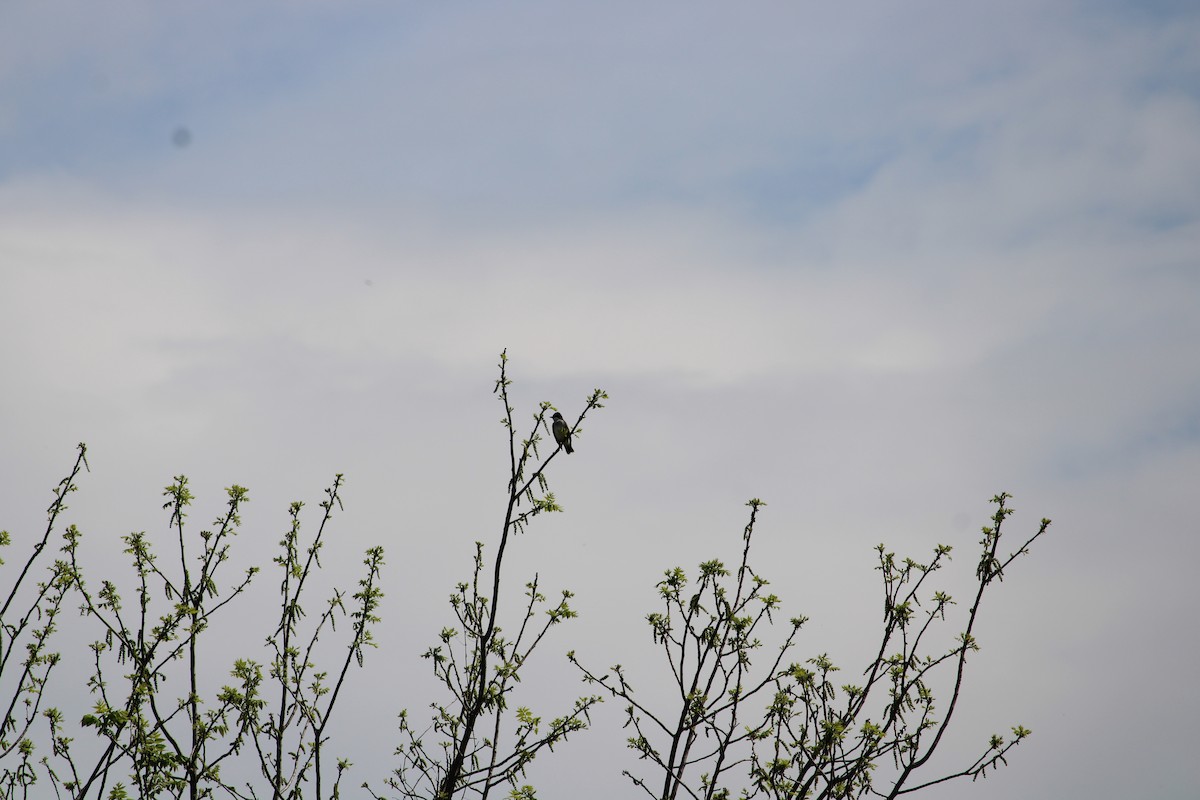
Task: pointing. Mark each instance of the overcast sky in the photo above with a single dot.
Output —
(871, 262)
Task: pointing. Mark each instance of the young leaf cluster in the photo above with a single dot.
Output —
(155, 729)
(817, 736)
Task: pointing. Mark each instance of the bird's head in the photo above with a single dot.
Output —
(556, 415)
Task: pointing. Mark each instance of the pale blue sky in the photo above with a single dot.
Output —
(871, 262)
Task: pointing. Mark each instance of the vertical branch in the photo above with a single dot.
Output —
(477, 696)
(288, 669)
(488, 671)
(990, 569)
(137, 728)
(24, 635)
(65, 487)
(368, 598)
(709, 638)
(826, 743)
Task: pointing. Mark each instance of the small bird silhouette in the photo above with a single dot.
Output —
(562, 433)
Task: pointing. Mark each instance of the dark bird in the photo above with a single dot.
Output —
(562, 433)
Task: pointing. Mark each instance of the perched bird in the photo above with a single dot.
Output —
(562, 433)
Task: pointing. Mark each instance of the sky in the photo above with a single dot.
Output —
(871, 262)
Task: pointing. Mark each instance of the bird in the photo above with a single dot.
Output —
(562, 434)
